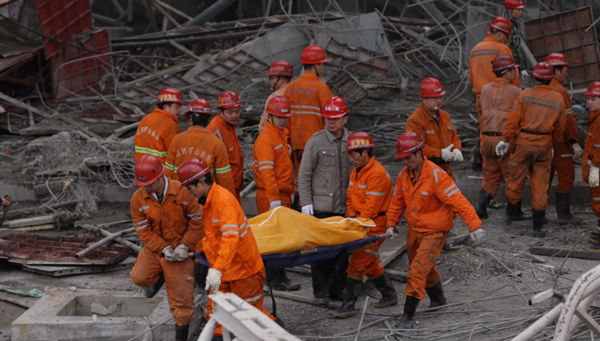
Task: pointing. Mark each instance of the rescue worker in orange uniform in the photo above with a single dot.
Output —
(169, 224)
(307, 96)
(568, 148)
(229, 245)
(158, 128)
(280, 75)
(428, 196)
(199, 142)
(535, 120)
(369, 194)
(591, 159)
(223, 126)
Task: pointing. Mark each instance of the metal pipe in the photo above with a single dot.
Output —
(96, 229)
(103, 241)
(209, 13)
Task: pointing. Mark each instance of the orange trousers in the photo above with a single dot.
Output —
(536, 161)
(423, 249)
(564, 166)
(262, 203)
(250, 289)
(365, 261)
(495, 168)
(179, 282)
(479, 109)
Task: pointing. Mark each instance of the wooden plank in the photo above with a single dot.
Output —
(36, 228)
(554, 252)
(311, 300)
(45, 219)
(400, 276)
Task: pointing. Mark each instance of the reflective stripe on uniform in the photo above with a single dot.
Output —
(149, 151)
(223, 170)
(377, 194)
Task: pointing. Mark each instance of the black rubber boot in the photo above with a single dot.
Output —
(436, 295)
(388, 293)
(538, 222)
(200, 272)
(350, 297)
(410, 308)
(217, 338)
(595, 234)
(280, 281)
(451, 248)
(152, 290)
(518, 214)
(181, 332)
(563, 209)
(510, 211)
(484, 201)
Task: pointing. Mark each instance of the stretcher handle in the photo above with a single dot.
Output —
(309, 252)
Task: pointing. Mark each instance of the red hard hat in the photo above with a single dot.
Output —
(503, 62)
(557, 59)
(313, 54)
(359, 140)
(148, 169)
(191, 170)
(169, 95)
(335, 107)
(593, 89)
(198, 106)
(408, 143)
(431, 87)
(281, 68)
(228, 99)
(514, 4)
(279, 106)
(543, 71)
(502, 24)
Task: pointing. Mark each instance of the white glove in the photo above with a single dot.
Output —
(213, 279)
(457, 155)
(447, 155)
(524, 74)
(577, 151)
(594, 178)
(292, 197)
(169, 253)
(308, 210)
(478, 235)
(391, 233)
(501, 148)
(181, 253)
(275, 203)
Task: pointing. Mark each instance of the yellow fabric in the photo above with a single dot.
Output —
(283, 230)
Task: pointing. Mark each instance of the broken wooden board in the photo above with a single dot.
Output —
(58, 271)
(554, 252)
(41, 220)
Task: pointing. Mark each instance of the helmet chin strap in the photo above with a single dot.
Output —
(275, 84)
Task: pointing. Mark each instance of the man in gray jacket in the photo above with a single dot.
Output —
(322, 184)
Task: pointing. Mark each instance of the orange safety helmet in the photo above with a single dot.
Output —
(543, 70)
(359, 140)
(148, 169)
(503, 62)
(281, 68)
(408, 143)
(335, 107)
(502, 24)
(593, 89)
(279, 106)
(198, 106)
(313, 54)
(514, 4)
(191, 170)
(431, 87)
(557, 59)
(169, 95)
(228, 99)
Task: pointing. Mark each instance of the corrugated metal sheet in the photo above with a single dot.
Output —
(63, 20)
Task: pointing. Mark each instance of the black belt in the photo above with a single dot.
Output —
(380, 214)
(533, 132)
(491, 133)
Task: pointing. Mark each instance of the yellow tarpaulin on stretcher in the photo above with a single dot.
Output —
(283, 230)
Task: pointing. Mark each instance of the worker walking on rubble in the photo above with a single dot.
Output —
(567, 148)
(280, 75)
(274, 174)
(514, 12)
(224, 127)
(428, 196)
(591, 159)
(229, 245)
(169, 224)
(535, 120)
(322, 184)
(369, 194)
(156, 130)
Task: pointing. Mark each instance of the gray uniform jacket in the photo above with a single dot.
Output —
(324, 173)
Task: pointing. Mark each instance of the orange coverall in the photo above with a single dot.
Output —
(497, 98)
(563, 162)
(154, 134)
(177, 220)
(230, 247)
(369, 195)
(428, 203)
(535, 116)
(227, 133)
(262, 125)
(272, 165)
(199, 142)
(591, 157)
(436, 134)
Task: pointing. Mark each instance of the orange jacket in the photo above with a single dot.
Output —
(178, 219)
(228, 242)
(227, 133)
(497, 98)
(571, 134)
(436, 135)
(272, 163)
(535, 116)
(591, 153)
(429, 202)
(154, 134)
(262, 125)
(480, 62)
(369, 193)
(200, 142)
(307, 96)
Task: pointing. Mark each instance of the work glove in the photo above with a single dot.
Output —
(213, 279)
(275, 203)
(169, 253)
(524, 75)
(308, 210)
(292, 198)
(594, 178)
(391, 233)
(501, 148)
(577, 151)
(447, 155)
(478, 235)
(181, 253)
(457, 155)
